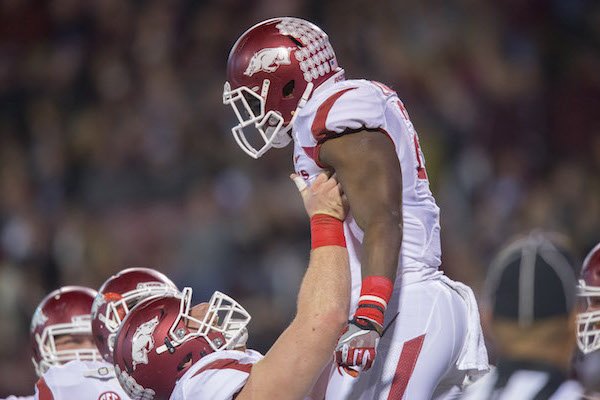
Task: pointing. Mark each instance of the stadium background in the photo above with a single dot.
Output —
(115, 148)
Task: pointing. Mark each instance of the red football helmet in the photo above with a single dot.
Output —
(159, 340)
(588, 321)
(119, 294)
(271, 73)
(65, 311)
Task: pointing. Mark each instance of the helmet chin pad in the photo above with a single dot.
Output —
(282, 138)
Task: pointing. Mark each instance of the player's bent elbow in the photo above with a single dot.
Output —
(333, 321)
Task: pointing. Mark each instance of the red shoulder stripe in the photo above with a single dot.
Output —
(318, 126)
(44, 392)
(226, 363)
(312, 152)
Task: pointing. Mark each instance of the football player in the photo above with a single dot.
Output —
(119, 294)
(167, 349)
(64, 354)
(587, 364)
(284, 84)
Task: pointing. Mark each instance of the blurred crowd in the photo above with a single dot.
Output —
(115, 148)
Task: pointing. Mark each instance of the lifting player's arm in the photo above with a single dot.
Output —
(368, 169)
(293, 364)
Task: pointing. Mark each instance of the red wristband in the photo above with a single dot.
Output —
(375, 295)
(326, 230)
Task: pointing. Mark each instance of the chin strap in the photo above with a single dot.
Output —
(305, 96)
(308, 92)
(286, 131)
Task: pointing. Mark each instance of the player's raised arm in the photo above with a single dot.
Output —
(368, 169)
(292, 366)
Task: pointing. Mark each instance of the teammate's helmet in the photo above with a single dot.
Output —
(65, 311)
(159, 340)
(588, 321)
(119, 294)
(271, 72)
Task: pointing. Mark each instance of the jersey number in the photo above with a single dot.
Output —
(421, 171)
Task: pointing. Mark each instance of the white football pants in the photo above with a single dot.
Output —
(416, 357)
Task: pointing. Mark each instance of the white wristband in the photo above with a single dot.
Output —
(367, 297)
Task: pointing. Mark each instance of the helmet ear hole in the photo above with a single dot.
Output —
(288, 89)
(185, 363)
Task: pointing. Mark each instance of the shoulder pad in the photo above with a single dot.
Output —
(346, 107)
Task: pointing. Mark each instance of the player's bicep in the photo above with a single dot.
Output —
(367, 166)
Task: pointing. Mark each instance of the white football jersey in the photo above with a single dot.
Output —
(93, 380)
(353, 105)
(217, 376)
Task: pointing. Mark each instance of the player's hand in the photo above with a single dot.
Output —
(357, 347)
(324, 196)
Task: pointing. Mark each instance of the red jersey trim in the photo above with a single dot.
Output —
(44, 392)
(318, 128)
(226, 363)
(313, 154)
(406, 366)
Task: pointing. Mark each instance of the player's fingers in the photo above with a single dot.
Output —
(299, 181)
(333, 178)
(321, 178)
(328, 185)
(368, 364)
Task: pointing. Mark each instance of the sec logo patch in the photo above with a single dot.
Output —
(109, 396)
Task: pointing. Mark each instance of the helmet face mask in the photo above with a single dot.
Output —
(51, 356)
(588, 318)
(117, 309)
(63, 312)
(271, 73)
(270, 129)
(222, 325)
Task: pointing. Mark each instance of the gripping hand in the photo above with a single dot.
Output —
(357, 347)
